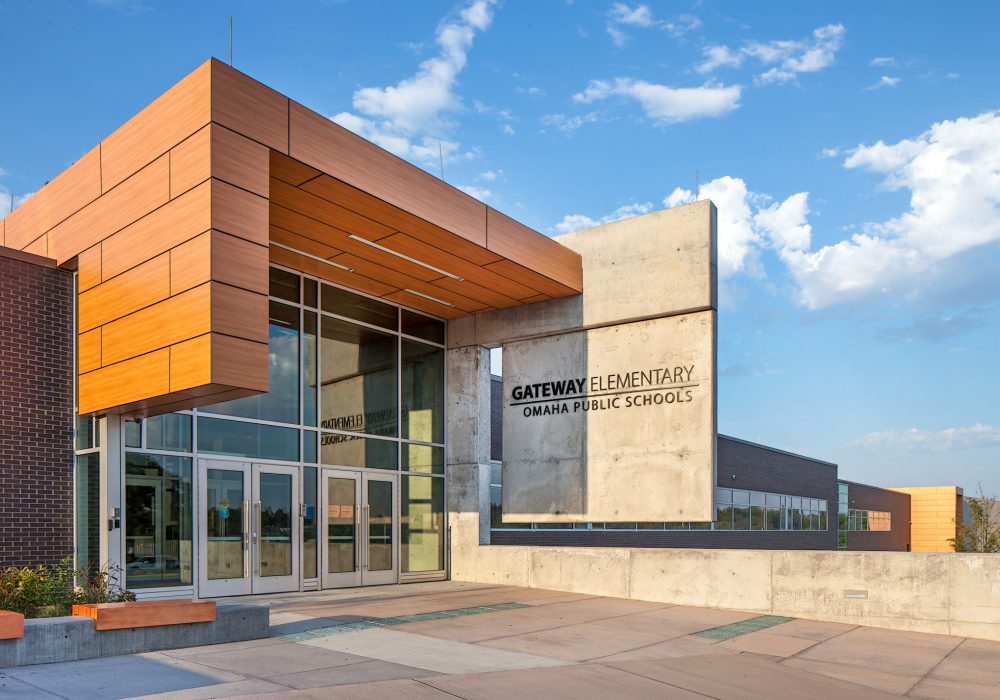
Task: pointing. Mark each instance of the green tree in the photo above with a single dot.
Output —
(982, 531)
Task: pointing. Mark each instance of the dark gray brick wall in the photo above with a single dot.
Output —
(864, 497)
(36, 410)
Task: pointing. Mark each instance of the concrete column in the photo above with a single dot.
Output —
(468, 440)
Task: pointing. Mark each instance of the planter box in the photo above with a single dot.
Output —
(11, 625)
(55, 639)
(146, 613)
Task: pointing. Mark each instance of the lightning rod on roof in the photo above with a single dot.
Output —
(441, 158)
(230, 40)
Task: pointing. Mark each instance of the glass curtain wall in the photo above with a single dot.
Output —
(354, 382)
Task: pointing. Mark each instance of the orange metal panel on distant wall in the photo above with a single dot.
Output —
(935, 512)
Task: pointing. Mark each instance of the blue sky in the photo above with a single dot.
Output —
(853, 150)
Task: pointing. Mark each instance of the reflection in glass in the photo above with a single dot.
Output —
(310, 395)
(169, 432)
(132, 433)
(86, 433)
(224, 523)
(379, 525)
(275, 513)
(309, 522)
(422, 523)
(341, 512)
(354, 306)
(340, 450)
(229, 437)
(310, 292)
(422, 327)
(157, 520)
(423, 459)
(309, 439)
(88, 510)
(284, 285)
(723, 517)
(358, 379)
(281, 402)
(423, 392)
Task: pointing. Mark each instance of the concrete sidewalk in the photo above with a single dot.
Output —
(447, 640)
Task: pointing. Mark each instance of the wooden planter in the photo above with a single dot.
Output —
(146, 613)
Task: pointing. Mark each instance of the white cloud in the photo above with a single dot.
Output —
(664, 104)
(952, 172)
(916, 440)
(884, 81)
(507, 129)
(533, 91)
(749, 221)
(480, 193)
(396, 114)
(490, 175)
(831, 153)
(787, 58)
(570, 124)
(621, 15)
(883, 62)
(575, 222)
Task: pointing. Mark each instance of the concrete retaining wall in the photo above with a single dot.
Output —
(944, 593)
(50, 640)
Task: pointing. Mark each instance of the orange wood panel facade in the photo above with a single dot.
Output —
(934, 514)
(172, 221)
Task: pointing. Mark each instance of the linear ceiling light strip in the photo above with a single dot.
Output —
(428, 296)
(313, 257)
(390, 251)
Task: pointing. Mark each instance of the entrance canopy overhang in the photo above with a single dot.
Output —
(172, 221)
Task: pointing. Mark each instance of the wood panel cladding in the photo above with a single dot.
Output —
(170, 119)
(170, 223)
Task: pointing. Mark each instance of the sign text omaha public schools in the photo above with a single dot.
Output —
(641, 387)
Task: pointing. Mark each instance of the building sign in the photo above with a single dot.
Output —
(615, 424)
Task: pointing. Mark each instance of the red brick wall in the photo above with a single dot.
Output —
(36, 410)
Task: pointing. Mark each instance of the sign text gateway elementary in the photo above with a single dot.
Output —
(642, 387)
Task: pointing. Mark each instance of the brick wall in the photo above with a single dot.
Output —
(864, 497)
(36, 410)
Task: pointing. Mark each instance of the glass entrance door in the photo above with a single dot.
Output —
(249, 534)
(358, 523)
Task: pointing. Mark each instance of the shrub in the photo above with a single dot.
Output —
(49, 591)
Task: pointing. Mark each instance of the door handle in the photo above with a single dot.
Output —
(257, 535)
(357, 539)
(246, 539)
(364, 539)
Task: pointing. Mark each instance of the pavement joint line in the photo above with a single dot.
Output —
(321, 632)
(821, 641)
(738, 629)
(934, 667)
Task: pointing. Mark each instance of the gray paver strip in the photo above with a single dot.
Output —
(736, 629)
(428, 653)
